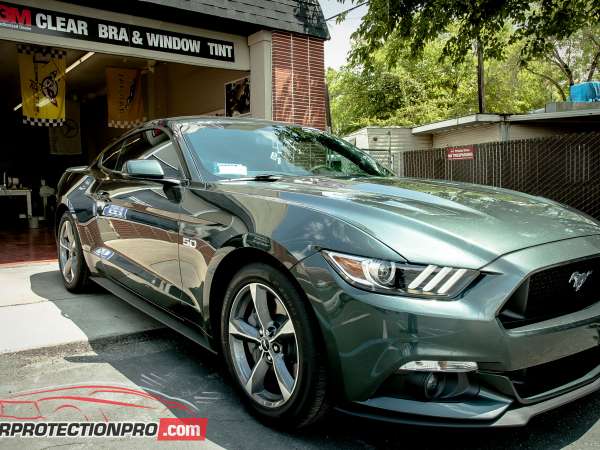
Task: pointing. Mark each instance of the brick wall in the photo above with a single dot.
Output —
(298, 80)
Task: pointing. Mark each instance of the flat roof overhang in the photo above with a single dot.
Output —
(574, 114)
(459, 122)
(579, 115)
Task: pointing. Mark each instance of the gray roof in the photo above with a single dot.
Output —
(234, 16)
(297, 16)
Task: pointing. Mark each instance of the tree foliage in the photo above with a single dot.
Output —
(417, 91)
(533, 24)
(569, 61)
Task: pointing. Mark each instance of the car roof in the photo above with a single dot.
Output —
(215, 120)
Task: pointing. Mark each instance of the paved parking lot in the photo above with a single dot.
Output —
(162, 361)
(178, 368)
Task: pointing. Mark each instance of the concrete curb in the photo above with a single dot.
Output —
(98, 344)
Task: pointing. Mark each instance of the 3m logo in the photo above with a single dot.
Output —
(184, 429)
(10, 14)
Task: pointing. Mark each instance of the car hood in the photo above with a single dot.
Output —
(438, 222)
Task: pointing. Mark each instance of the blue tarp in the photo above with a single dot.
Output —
(586, 92)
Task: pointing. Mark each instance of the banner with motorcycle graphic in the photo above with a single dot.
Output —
(124, 95)
(42, 74)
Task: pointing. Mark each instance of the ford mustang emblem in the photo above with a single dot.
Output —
(578, 279)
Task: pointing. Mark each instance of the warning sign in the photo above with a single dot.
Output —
(460, 153)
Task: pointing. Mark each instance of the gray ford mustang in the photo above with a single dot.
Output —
(325, 281)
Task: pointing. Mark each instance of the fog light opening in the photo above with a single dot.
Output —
(433, 385)
(436, 386)
(428, 386)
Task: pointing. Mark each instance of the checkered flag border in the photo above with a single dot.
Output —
(126, 123)
(33, 121)
(46, 51)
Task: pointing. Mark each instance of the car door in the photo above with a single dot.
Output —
(141, 220)
(209, 219)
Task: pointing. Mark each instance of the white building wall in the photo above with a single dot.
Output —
(358, 138)
(477, 134)
(518, 131)
(388, 138)
(396, 139)
(261, 80)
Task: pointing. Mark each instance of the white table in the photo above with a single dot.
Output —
(16, 193)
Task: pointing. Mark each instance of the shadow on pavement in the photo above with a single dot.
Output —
(49, 285)
(181, 369)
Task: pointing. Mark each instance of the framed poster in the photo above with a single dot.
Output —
(237, 97)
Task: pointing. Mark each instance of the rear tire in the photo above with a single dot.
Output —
(271, 348)
(73, 268)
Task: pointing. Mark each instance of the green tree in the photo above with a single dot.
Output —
(569, 61)
(534, 24)
(417, 91)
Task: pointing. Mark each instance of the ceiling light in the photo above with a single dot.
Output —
(79, 61)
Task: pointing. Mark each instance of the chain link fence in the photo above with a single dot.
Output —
(564, 168)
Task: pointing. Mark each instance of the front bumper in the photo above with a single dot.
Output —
(369, 336)
(506, 417)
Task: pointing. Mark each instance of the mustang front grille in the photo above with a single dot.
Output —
(554, 292)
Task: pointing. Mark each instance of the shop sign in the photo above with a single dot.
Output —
(46, 22)
(460, 153)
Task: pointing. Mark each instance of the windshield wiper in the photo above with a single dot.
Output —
(261, 177)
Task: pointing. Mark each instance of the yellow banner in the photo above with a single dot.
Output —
(42, 73)
(124, 94)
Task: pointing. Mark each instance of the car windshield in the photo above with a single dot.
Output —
(250, 149)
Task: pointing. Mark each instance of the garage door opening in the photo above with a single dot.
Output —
(33, 157)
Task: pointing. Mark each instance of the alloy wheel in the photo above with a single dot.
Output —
(263, 345)
(68, 251)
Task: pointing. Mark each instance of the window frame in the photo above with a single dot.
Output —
(121, 140)
(119, 143)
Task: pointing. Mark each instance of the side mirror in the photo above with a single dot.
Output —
(143, 168)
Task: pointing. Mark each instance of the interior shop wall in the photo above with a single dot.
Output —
(95, 134)
(171, 90)
(188, 90)
(25, 155)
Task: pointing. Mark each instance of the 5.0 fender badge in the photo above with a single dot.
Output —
(578, 279)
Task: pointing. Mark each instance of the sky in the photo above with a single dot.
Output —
(336, 49)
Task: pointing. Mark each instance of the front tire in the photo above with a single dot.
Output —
(73, 268)
(270, 345)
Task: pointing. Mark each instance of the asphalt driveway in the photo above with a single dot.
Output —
(159, 360)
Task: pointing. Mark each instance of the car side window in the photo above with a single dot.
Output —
(152, 144)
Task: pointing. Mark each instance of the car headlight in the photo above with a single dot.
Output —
(400, 278)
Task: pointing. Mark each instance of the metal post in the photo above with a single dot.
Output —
(390, 157)
(480, 78)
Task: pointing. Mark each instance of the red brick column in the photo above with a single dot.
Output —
(298, 80)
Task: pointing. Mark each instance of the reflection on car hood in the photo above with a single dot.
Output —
(435, 221)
